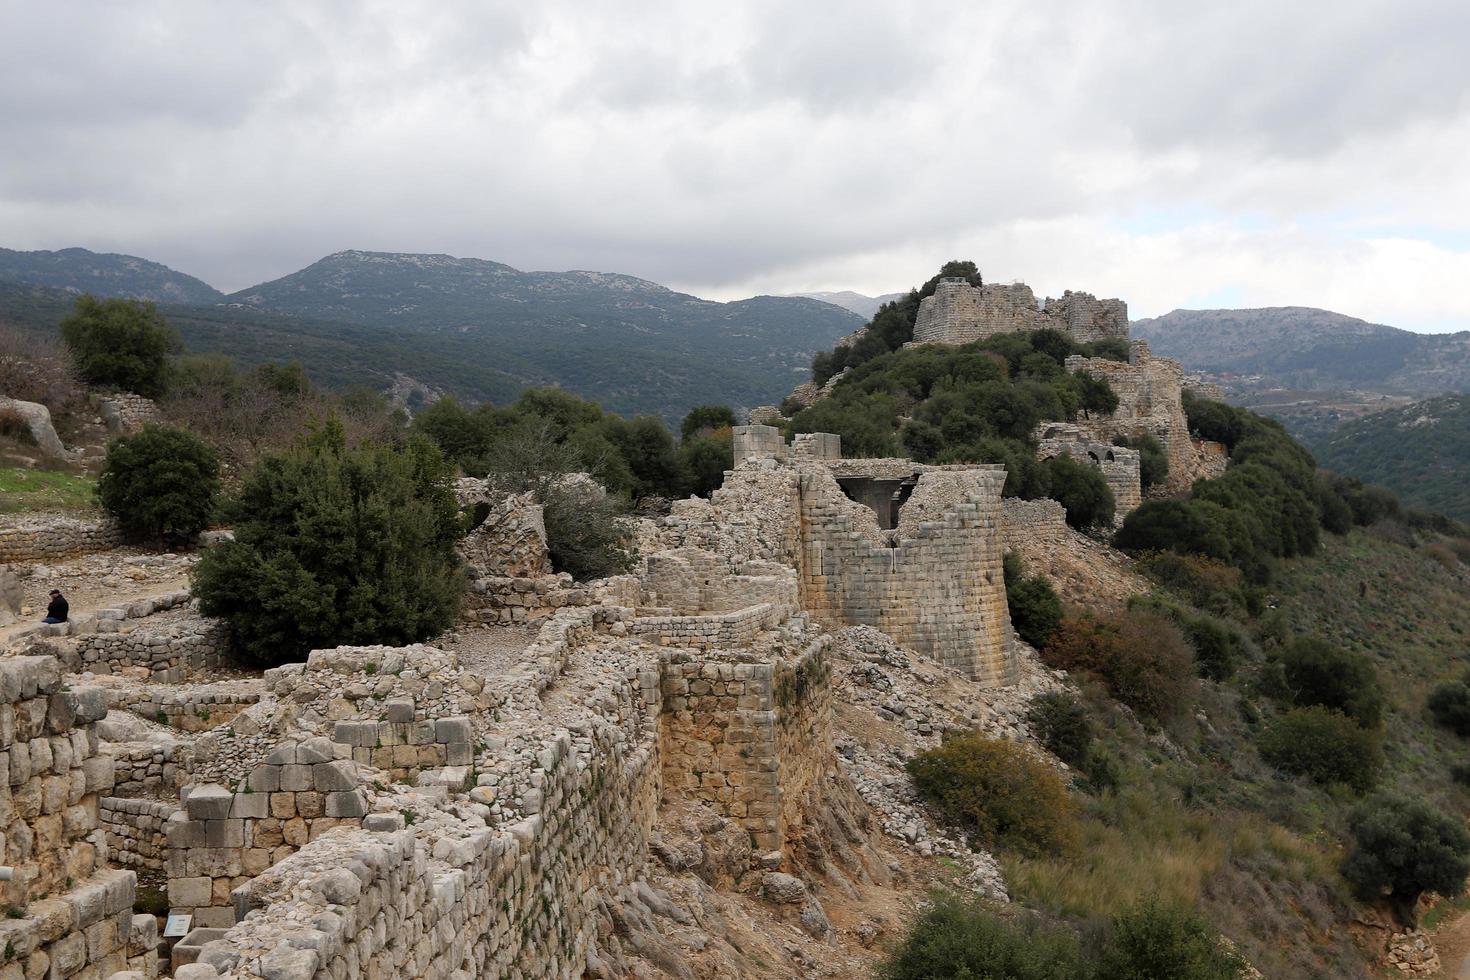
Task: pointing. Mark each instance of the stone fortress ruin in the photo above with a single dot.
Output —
(580, 779)
(405, 812)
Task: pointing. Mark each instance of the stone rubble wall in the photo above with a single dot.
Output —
(689, 581)
(150, 770)
(517, 899)
(72, 915)
(936, 586)
(196, 709)
(508, 600)
(511, 541)
(170, 654)
(111, 619)
(221, 838)
(1023, 521)
(126, 413)
(719, 630)
(50, 537)
(135, 831)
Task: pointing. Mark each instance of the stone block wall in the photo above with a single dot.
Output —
(1025, 521)
(221, 838)
(135, 831)
(45, 538)
(958, 313)
(505, 601)
(804, 747)
(1087, 318)
(1149, 403)
(166, 655)
(71, 915)
(1120, 466)
(934, 585)
(716, 630)
(150, 770)
(407, 743)
(757, 441)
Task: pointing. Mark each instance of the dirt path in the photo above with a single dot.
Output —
(1452, 943)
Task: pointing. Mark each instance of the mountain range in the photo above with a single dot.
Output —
(478, 329)
(863, 306)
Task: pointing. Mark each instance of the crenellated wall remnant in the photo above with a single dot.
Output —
(959, 313)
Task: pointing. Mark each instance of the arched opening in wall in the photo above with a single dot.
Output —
(478, 514)
(1111, 457)
(1093, 456)
(883, 497)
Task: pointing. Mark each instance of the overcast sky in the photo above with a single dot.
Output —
(1174, 154)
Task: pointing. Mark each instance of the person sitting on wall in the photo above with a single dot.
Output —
(57, 609)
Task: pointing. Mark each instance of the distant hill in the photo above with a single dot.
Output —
(863, 306)
(76, 270)
(1298, 347)
(1421, 452)
(483, 330)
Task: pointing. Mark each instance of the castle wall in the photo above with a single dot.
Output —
(935, 585)
(1087, 318)
(68, 914)
(1120, 466)
(958, 313)
(1149, 391)
(135, 831)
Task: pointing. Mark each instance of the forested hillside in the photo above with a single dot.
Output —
(1421, 452)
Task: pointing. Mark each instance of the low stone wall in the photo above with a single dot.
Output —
(220, 840)
(734, 629)
(125, 412)
(169, 654)
(188, 710)
(522, 600)
(135, 831)
(108, 620)
(403, 746)
(45, 538)
(150, 770)
(1023, 521)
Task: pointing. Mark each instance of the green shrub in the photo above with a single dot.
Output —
(1081, 489)
(999, 793)
(1035, 609)
(955, 940)
(706, 419)
(119, 343)
(1460, 773)
(1142, 657)
(160, 483)
(1403, 847)
(1061, 723)
(1449, 703)
(1158, 942)
(1318, 672)
(705, 459)
(1324, 745)
(337, 545)
(586, 533)
(1206, 583)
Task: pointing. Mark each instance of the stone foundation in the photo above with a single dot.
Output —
(47, 538)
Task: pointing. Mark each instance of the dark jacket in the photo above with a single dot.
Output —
(57, 609)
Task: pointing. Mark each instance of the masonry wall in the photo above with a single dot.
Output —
(167, 654)
(71, 914)
(197, 709)
(49, 538)
(935, 585)
(135, 831)
(222, 837)
(126, 412)
(1087, 318)
(958, 313)
(515, 901)
(508, 600)
(1149, 403)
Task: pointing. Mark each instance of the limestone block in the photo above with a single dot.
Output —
(210, 801)
(334, 777)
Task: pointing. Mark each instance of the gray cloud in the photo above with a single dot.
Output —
(761, 146)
